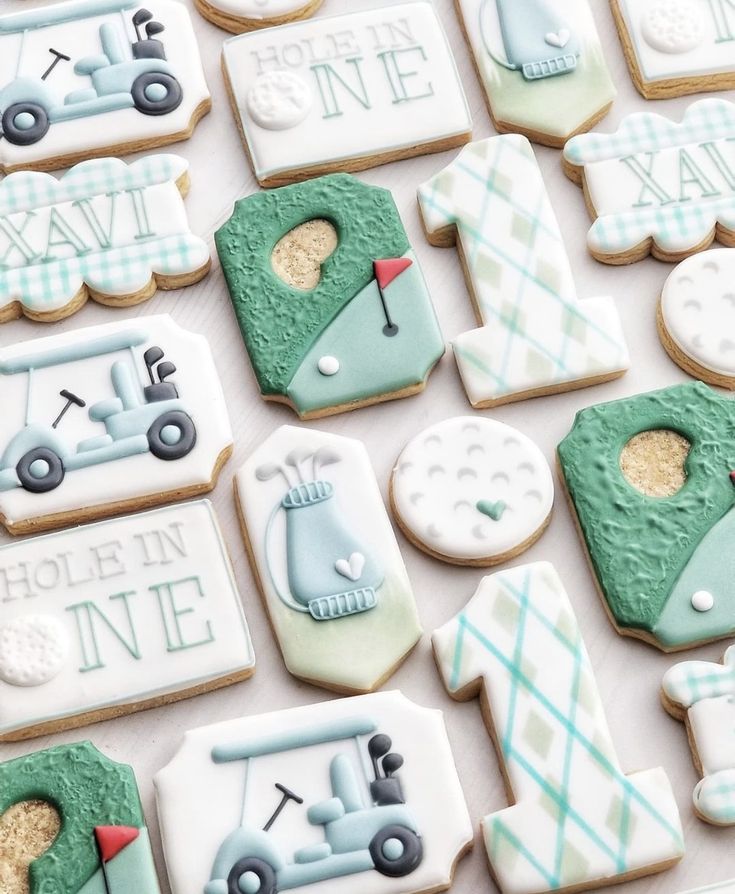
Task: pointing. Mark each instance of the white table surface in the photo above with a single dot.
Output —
(628, 672)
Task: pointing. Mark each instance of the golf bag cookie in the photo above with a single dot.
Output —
(356, 325)
(102, 419)
(247, 15)
(662, 562)
(362, 790)
(701, 693)
(87, 78)
(105, 230)
(540, 64)
(77, 647)
(517, 646)
(102, 845)
(326, 559)
(345, 93)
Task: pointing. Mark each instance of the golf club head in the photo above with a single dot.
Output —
(141, 17)
(268, 471)
(379, 746)
(153, 28)
(392, 763)
(165, 370)
(152, 355)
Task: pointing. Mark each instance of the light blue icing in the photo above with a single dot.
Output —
(131, 871)
(82, 349)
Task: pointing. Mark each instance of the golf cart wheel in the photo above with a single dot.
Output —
(24, 123)
(172, 436)
(40, 470)
(252, 876)
(396, 851)
(156, 93)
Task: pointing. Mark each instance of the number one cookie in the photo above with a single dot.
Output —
(576, 821)
(535, 336)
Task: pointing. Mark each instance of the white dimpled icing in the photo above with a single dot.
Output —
(279, 100)
(33, 650)
(673, 26)
(471, 488)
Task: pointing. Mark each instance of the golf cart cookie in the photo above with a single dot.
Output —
(535, 336)
(576, 821)
(345, 93)
(359, 792)
(472, 491)
(702, 694)
(106, 230)
(651, 481)
(326, 560)
(540, 64)
(676, 47)
(246, 15)
(696, 316)
(102, 420)
(86, 78)
(101, 844)
(76, 646)
(657, 187)
(337, 315)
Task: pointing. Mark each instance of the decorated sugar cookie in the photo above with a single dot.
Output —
(658, 531)
(696, 316)
(702, 694)
(94, 77)
(126, 415)
(338, 314)
(656, 186)
(246, 15)
(535, 336)
(345, 93)
(106, 230)
(675, 47)
(76, 646)
(91, 803)
(359, 794)
(472, 491)
(517, 645)
(540, 64)
(326, 559)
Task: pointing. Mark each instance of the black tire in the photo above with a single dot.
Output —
(187, 435)
(413, 851)
(171, 101)
(51, 480)
(19, 136)
(265, 872)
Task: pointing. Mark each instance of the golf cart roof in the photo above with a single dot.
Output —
(298, 738)
(106, 344)
(62, 12)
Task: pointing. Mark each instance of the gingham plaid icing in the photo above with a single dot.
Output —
(577, 818)
(689, 682)
(714, 797)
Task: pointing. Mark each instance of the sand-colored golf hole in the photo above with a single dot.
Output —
(653, 462)
(298, 256)
(27, 830)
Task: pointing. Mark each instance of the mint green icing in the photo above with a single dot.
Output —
(645, 550)
(492, 509)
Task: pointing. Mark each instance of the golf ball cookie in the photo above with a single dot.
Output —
(33, 650)
(472, 491)
(237, 16)
(279, 100)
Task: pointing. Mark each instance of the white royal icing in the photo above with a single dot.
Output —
(260, 10)
(279, 100)
(698, 309)
(472, 488)
(200, 802)
(115, 613)
(379, 80)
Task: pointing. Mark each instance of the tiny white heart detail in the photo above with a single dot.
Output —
(351, 568)
(558, 38)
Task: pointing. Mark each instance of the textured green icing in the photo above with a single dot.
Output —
(87, 789)
(279, 323)
(639, 545)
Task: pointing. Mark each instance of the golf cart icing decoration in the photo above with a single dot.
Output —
(658, 187)
(87, 77)
(345, 92)
(78, 645)
(535, 336)
(675, 47)
(366, 332)
(541, 66)
(702, 694)
(122, 401)
(662, 564)
(244, 15)
(472, 491)
(326, 559)
(576, 820)
(361, 789)
(107, 230)
(103, 845)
